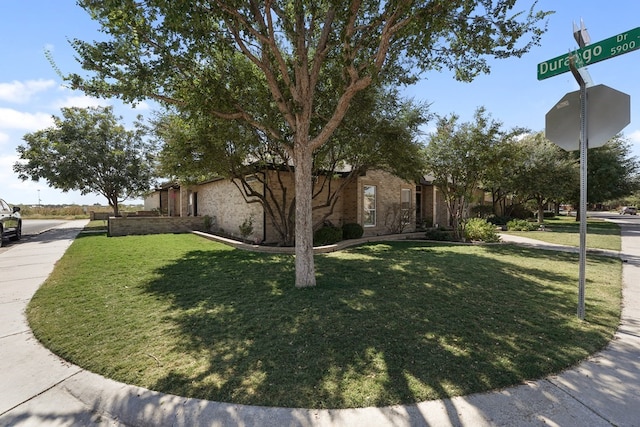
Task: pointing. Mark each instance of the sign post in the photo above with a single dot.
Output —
(590, 54)
(574, 62)
(584, 147)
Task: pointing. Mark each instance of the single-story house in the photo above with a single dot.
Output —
(380, 202)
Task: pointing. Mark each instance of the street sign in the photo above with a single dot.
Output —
(608, 113)
(596, 52)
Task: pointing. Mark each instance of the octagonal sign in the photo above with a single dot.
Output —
(608, 112)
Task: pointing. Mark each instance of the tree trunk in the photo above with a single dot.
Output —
(114, 205)
(305, 270)
(540, 212)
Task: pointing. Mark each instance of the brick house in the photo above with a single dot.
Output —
(379, 201)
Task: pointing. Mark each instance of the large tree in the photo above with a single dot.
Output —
(459, 155)
(612, 171)
(501, 173)
(193, 55)
(545, 174)
(87, 149)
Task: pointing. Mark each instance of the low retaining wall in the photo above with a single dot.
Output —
(99, 216)
(121, 226)
(317, 249)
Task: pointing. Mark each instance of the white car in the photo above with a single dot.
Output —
(631, 210)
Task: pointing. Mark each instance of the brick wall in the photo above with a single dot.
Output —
(99, 216)
(285, 192)
(350, 202)
(388, 195)
(221, 200)
(154, 225)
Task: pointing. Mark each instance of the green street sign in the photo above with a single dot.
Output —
(596, 52)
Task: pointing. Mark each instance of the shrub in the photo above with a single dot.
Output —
(327, 235)
(480, 229)
(209, 222)
(246, 228)
(520, 225)
(499, 220)
(440, 234)
(352, 230)
(397, 219)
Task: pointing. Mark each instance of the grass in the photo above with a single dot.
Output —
(96, 225)
(566, 231)
(388, 323)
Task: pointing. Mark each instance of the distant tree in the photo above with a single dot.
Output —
(546, 173)
(612, 173)
(379, 132)
(217, 57)
(458, 155)
(508, 159)
(88, 150)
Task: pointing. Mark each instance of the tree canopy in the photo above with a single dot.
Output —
(88, 150)
(460, 155)
(612, 172)
(217, 57)
(379, 132)
(545, 173)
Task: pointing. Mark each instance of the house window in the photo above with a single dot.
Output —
(405, 205)
(369, 202)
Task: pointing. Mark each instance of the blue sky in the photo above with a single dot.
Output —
(31, 91)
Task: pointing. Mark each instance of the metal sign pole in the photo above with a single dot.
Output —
(584, 146)
(582, 38)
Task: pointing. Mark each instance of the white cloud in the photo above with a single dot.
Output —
(21, 92)
(7, 175)
(634, 137)
(6, 162)
(13, 119)
(4, 138)
(80, 101)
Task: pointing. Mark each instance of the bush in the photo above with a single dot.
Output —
(521, 212)
(520, 225)
(246, 228)
(352, 230)
(440, 234)
(327, 235)
(499, 220)
(480, 230)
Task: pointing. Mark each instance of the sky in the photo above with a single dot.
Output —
(31, 91)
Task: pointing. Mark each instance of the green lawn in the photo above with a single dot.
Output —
(97, 225)
(388, 323)
(566, 231)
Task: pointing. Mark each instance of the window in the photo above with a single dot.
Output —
(369, 204)
(405, 205)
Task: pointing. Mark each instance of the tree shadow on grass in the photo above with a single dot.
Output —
(387, 323)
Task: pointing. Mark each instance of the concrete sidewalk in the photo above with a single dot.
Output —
(39, 389)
